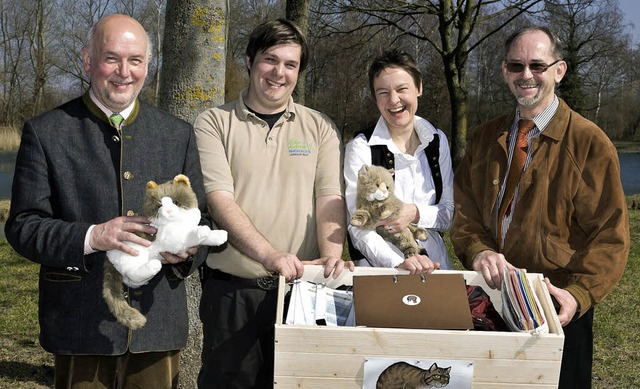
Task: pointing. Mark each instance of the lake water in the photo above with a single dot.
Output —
(7, 165)
(630, 172)
(629, 166)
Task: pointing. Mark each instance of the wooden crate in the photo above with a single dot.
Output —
(313, 357)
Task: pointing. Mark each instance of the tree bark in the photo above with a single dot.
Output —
(38, 58)
(192, 80)
(298, 12)
(193, 57)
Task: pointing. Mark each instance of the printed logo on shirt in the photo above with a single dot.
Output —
(299, 148)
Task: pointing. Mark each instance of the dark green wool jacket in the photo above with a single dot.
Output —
(73, 170)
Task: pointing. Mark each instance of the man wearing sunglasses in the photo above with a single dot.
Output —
(539, 189)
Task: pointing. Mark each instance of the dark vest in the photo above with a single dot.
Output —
(381, 156)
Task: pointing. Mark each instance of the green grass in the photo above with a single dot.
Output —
(617, 319)
(23, 364)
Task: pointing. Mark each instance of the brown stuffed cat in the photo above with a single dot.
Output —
(375, 201)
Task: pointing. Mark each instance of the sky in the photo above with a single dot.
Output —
(631, 11)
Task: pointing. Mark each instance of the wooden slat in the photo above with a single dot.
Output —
(282, 382)
(352, 366)
(389, 341)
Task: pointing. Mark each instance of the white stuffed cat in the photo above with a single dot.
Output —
(173, 210)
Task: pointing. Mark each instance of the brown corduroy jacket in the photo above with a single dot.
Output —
(570, 221)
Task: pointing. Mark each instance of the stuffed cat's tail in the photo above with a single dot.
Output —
(114, 296)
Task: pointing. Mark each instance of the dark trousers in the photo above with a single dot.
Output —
(577, 356)
(238, 325)
(128, 371)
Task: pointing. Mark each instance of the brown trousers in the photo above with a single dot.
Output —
(127, 371)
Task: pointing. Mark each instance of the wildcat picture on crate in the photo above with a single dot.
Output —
(376, 201)
(403, 375)
(173, 209)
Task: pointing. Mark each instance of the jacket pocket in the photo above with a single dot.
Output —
(61, 277)
(556, 252)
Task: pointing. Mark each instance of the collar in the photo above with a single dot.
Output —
(244, 112)
(422, 127)
(125, 112)
(558, 123)
(542, 119)
(102, 115)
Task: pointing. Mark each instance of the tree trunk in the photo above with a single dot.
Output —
(38, 58)
(459, 110)
(298, 12)
(192, 80)
(193, 57)
(158, 48)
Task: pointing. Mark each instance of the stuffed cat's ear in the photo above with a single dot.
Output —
(182, 179)
(152, 185)
(363, 170)
(392, 172)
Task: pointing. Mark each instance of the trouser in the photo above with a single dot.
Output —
(577, 356)
(238, 325)
(127, 371)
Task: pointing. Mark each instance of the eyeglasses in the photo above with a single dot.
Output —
(536, 67)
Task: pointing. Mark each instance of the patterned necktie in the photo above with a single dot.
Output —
(515, 171)
(116, 119)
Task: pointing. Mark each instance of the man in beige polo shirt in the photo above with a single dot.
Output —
(273, 177)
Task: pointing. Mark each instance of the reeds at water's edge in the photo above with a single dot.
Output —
(4, 210)
(9, 138)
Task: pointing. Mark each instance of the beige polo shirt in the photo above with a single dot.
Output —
(275, 175)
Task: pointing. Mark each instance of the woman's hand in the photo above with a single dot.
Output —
(409, 214)
(419, 264)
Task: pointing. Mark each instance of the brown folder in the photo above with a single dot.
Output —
(429, 301)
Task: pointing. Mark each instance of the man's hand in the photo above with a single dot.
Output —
(172, 259)
(568, 303)
(285, 264)
(419, 264)
(332, 265)
(491, 264)
(112, 234)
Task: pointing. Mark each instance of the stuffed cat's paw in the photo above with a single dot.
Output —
(143, 274)
(418, 232)
(385, 214)
(411, 251)
(212, 238)
(359, 218)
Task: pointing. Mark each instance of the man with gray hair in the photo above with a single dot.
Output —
(78, 191)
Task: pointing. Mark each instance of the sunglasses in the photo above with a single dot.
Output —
(536, 67)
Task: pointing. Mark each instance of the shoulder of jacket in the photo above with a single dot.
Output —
(147, 109)
(493, 126)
